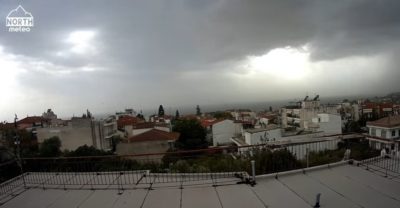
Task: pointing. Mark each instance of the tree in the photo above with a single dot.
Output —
(50, 147)
(198, 111)
(161, 111)
(87, 151)
(140, 116)
(176, 114)
(193, 135)
(222, 115)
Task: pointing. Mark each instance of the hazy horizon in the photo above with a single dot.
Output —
(191, 109)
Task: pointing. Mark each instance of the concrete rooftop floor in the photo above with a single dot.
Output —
(340, 186)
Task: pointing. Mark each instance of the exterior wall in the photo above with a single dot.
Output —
(386, 133)
(264, 121)
(330, 124)
(71, 137)
(103, 131)
(163, 128)
(139, 131)
(263, 136)
(223, 132)
(132, 132)
(144, 147)
(301, 136)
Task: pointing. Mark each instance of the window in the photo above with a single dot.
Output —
(373, 131)
(383, 133)
(393, 133)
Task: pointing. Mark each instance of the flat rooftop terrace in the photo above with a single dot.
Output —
(340, 185)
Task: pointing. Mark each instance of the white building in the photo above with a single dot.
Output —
(262, 135)
(385, 133)
(224, 130)
(82, 131)
(302, 114)
(327, 123)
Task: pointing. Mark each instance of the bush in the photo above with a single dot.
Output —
(50, 147)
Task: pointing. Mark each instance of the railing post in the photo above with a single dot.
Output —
(317, 201)
(307, 154)
(253, 171)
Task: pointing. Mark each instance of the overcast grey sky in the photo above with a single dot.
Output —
(108, 55)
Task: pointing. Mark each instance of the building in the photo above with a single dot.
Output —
(78, 132)
(244, 115)
(127, 112)
(138, 128)
(301, 114)
(349, 111)
(103, 132)
(52, 119)
(152, 141)
(385, 133)
(262, 135)
(373, 110)
(31, 122)
(327, 123)
(82, 131)
(220, 132)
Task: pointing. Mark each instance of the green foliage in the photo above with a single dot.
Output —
(222, 115)
(198, 111)
(325, 157)
(268, 161)
(50, 147)
(87, 151)
(352, 126)
(359, 150)
(205, 163)
(161, 111)
(193, 135)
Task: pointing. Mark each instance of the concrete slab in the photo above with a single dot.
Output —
(307, 189)
(200, 197)
(275, 194)
(35, 198)
(100, 199)
(163, 197)
(131, 199)
(358, 193)
(238, 196)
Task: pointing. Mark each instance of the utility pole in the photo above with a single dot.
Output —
(17, 142)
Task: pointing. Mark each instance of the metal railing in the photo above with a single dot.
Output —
(210, 166)
(388, 165)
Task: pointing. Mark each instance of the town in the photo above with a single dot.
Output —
(130, 133)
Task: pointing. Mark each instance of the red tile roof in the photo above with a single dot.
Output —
(7, 125)
(127, 120)
(388, 122)
(146, 125)
(209, 122)
(32, 119)
(154, 135)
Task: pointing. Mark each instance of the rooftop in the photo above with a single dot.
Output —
(268, 128)
(340, 185)
(154, 135)
(388, 122)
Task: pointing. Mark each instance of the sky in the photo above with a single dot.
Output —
(109, 55)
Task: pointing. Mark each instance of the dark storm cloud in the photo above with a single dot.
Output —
(350, 28)
(185, 51)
